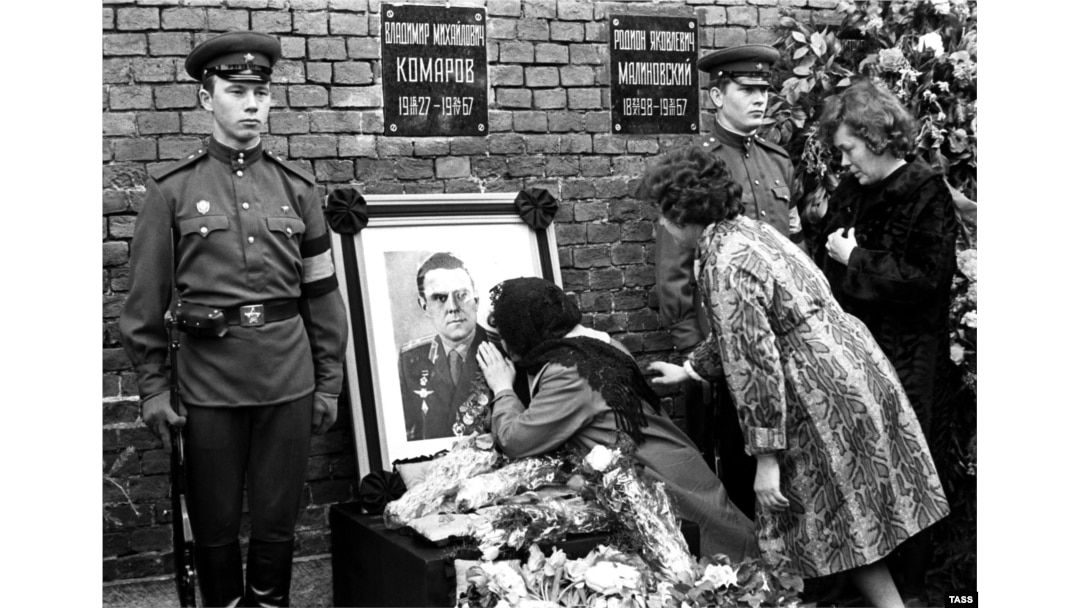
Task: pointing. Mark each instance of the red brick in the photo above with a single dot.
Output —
(513, 98)
(114, 201)
(431, 146)
(547, 52)
(310, 23)
(571, 10)
(293, 47)
(363, 48)
(537, 77)
(183, 19)
(271, 21)
(135, 149)
(154, 69)
(353, 72)
(137, 19)
(516, 52)
(506, 76)
(108, 19)
(583, 99)
(221, 20)
(504, 8)
(415, 168)
(118, 124)
(156, 123)
(170, 148)
(356, 97)
(306, 96)
(346, 24)
(332, 49)
(319, 72)
(501, 29)
(170, 43)
(289, 123)
(568, 32)
(178, 96)
(311, 146)
(451, 167)
(532, 29)
(334, 170)
(199, 122)
(116, 71)
(124, 44)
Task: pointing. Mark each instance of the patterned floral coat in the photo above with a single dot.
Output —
(811, 385)
(897, 280)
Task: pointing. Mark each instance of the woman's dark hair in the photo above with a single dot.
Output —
(692, 186)
(873, 114)
(528, 311)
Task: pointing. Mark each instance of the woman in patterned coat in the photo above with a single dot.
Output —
(843, 471)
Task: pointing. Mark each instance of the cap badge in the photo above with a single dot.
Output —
(202, 207)
(760, 66)
(249, 57)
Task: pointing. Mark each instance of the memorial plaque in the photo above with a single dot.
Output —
(434, 70)
(654, 75)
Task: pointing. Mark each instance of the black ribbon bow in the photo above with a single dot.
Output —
(346, 211)
(537, 207)
(378, 488)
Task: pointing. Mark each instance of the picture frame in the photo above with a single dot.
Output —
(376, 267)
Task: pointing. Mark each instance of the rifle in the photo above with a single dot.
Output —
(183, 540)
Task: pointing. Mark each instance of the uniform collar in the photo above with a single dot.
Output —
(237, 159)
(731, 138)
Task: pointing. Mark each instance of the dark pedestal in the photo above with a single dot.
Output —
(373, 566)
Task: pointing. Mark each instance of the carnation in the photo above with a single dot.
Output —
(891, 60)
(931, 41)
(600, 458)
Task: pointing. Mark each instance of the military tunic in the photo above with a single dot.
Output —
(433, 405)
(247, 228)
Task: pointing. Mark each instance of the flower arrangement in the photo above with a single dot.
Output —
(608, 577)
(964, 316)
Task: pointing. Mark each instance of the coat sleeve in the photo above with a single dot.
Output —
(746, 347)
(142, 320)
(321, 305)
(913, 265)
(675, 290)
(562, 405)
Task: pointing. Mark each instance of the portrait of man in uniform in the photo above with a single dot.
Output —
(443, 392)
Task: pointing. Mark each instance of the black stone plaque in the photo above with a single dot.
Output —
(654, 75)
(434, 68)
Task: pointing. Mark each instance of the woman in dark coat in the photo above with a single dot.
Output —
(890, 253)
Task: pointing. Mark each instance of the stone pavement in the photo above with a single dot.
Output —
(311, 587)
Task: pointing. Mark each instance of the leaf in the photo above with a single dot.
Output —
(799, 36)
(817, 43)
(799, 52)
(843, 83)
(801, 70)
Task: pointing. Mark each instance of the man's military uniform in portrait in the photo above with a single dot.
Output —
(770, 191)
(241, 232)
(434, 404)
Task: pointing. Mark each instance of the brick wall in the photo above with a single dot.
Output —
(549, 127)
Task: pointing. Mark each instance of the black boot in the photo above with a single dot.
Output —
(220, 574)
(269, 573)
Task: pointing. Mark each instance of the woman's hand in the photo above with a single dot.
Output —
(839, 246)
(670, 373)
(767, 483)
(498, 370)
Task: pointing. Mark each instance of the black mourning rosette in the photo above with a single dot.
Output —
(379, 488)
(537, 207)
(346, 211)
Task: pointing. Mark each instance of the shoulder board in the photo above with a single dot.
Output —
(165, 170)
(291, 167)
(768, 145)
(413, 344)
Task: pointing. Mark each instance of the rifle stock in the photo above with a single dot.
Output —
(183, 539)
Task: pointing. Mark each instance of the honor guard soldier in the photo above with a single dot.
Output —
(738, 87)
(238, 232)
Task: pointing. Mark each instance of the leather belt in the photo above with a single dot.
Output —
(254, 315)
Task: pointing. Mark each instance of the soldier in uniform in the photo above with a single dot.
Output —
(738, 87)
(239, 229)
(443, 392)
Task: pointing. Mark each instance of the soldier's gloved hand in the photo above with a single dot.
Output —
(158, 416)
(324, 413)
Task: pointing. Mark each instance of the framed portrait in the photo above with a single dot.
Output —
(416, 281)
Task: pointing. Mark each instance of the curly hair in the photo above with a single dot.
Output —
(692, 186)
(873, 114)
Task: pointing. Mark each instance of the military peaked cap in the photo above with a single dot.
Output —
(749, 64)
(241, 56)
